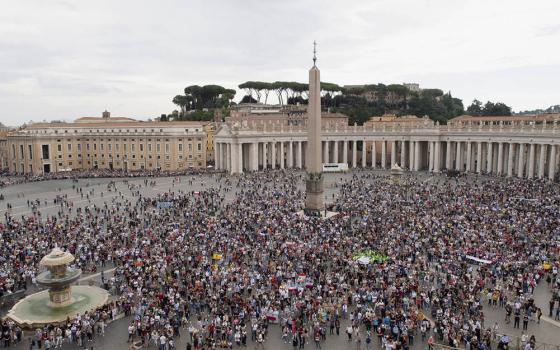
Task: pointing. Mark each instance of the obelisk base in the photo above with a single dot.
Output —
(314, 201)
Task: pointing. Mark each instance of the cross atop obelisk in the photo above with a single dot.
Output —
(314, 53)
(314, 201)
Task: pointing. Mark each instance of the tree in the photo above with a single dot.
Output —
(475, 108)
(248, 99)
(182, 101)
(489, 108)
(497, 108)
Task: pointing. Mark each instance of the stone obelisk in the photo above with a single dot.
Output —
(314, 201)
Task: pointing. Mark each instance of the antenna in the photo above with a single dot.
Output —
(314, 53)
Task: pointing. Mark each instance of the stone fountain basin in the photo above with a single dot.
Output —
(34, 311)
(45, 278)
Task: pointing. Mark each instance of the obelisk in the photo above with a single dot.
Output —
(314, 202)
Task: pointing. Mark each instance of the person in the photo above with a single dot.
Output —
(368, 340)
(349, 331)
(317, 338)
(516, 319)
(260, 340)
(431, 343)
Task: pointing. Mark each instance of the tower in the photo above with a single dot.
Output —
(314, 201)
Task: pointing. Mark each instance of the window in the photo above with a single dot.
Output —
(141, 148)
(166, 148)
(59, 148)
(45, 151)
(87, 146)
(133, 148)
(118, 147)
(30, 149)
(158, 148)
(95, 146)
(110, 147)
(180, 147)
(79, 147)
(124, 147)
(199, 146)
(190, 147)
(149, 147)
(21, 155)
(102, 146)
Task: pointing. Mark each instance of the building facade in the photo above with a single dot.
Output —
(522, 146)
(106, 143)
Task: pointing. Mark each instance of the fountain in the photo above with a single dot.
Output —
(58, 277)
(61, 300)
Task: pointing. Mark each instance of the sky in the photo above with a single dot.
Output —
(63, 59)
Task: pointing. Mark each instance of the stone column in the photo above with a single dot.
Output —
(437, 157)
(335, 152)
(469, 157)
(299, 155)
(240, 158)
(531, 170)
(234, 168)
(265, 155)
(345, 152)
(417, 155)
(364, 153)
(479, 157)
(521, 164)
(325, 151)
(431, 156)
(510, 161)
(393, 153)
(448, 162)
(411, 154)
(228, 157)
(281, 154)
(251, 157)
(354, 153)
(383, 154)
(489, 157)
(542, 159)
(216, 156)
(403, 154)
(273, 154)
(552, 163)
(373, 155)
(290, 154)
(459, 157)
(500, 156)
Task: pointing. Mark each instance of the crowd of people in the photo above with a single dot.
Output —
(8, 179)
(224, 272)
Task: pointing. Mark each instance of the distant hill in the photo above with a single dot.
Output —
(551, 109)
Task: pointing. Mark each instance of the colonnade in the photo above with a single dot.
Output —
(521, 159)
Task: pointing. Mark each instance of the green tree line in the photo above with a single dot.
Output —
(359, 103)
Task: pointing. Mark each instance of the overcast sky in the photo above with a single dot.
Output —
(65, 59)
